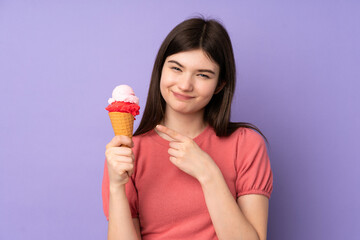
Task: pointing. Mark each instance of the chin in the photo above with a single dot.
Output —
(184, 110)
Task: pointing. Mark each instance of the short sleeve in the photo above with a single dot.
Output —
(131, 194)
(254, 174)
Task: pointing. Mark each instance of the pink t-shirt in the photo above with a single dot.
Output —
(170, 203)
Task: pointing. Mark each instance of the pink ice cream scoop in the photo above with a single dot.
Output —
(124, 100)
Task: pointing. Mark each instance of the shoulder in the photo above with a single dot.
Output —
(240, 134)
(247, 135)
(242, 138)
(248, 140)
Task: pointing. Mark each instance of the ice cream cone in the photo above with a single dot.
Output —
(122, 123)
(123, 107)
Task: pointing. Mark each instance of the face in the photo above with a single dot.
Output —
(188, 81)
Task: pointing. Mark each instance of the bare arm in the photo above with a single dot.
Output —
(255, 208)
(120, 164)
(244, 219)
(121, 225)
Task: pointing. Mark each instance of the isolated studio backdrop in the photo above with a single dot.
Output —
(298, 81)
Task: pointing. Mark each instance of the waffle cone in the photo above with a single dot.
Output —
(122, 123)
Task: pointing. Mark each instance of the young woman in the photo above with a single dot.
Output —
(191, 173)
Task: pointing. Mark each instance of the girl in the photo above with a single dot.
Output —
(191, 173)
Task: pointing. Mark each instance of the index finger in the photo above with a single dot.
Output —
(171, 133)
(120, 140)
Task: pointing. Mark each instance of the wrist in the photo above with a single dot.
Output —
(211, 173)
(117, 188)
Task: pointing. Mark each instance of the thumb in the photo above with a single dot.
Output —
(119, 140)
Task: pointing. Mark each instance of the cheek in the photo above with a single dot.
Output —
(164, 85)
(162, 82)
(167, 80)
(207, 89)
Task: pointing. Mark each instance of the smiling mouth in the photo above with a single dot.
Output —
(181, 97)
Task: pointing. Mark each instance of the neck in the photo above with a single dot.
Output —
(190, 125)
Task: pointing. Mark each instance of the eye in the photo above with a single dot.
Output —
(204, 76)
(176, 68)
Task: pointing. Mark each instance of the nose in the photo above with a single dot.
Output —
(186, 83)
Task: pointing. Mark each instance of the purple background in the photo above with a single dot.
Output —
(298, 81)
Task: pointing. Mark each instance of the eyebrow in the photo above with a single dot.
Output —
(200, 70)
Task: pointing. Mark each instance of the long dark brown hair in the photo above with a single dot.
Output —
(213, 39)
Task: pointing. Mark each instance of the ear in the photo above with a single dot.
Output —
(219, 88)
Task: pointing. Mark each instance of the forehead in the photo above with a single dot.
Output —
(196, 59)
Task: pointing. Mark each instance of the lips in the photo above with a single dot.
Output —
(182, 96)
